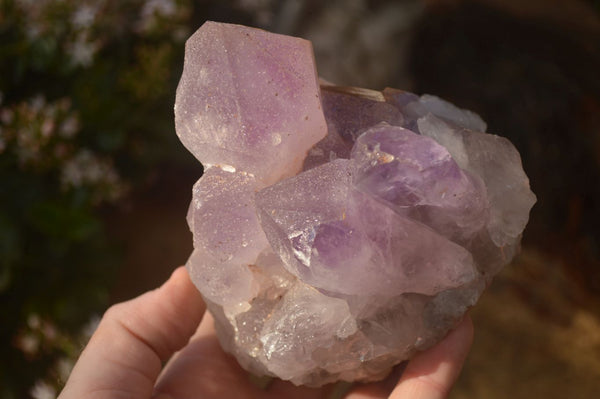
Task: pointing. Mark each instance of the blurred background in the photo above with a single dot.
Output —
(94, 185)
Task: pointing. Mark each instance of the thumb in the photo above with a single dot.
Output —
(133, 339)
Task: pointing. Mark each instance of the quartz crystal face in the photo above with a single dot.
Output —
(336, 230)
(249, 100)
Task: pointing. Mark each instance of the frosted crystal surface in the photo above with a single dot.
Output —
(249, 99)
(336, 230)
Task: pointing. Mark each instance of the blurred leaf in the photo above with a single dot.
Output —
(9, 251)
(57, 220)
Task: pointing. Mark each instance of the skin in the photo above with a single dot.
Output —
(125, 357)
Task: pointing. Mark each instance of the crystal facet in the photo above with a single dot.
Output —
(336, 230)
(249, 99)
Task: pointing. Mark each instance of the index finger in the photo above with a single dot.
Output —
(430, 374)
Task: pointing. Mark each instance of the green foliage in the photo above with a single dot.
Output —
(86, 96)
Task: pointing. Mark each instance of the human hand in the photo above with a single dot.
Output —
(125, 356)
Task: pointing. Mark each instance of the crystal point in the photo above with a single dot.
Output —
(249, 99)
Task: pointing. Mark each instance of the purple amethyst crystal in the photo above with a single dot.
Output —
(336, 230)
(249, 99)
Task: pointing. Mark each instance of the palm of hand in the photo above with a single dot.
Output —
(203, 370)
(124, 358)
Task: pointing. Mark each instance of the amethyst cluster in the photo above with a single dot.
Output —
(336, 230)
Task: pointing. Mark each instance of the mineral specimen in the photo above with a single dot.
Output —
(336, 230)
